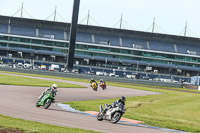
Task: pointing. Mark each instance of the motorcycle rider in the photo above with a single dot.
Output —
(121, 100)
(52, 89)
(91, 81)
(102, 81)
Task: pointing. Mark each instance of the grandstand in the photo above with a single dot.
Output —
(103, 47)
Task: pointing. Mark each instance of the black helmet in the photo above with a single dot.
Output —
(123, 99)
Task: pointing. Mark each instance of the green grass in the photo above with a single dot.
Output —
(37, 127)
(172, 109)
(24, 81)
(46, 76)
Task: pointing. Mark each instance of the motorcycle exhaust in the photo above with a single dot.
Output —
(100, 107)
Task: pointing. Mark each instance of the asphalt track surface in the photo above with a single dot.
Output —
(19, 102)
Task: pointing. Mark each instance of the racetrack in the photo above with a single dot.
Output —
(19, 102)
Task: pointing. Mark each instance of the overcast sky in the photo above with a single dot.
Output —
(170, 15)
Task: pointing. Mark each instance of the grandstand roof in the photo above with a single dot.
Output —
(99, 30)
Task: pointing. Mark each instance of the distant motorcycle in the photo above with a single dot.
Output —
(46, 100)
(103, 85)
(94, 86)
(112, 114)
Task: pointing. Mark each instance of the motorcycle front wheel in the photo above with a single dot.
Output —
(37, 105)
(47, 103)
(100, 116)
(116, 117)
(95, 89)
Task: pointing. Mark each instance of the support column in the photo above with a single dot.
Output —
(72, 39)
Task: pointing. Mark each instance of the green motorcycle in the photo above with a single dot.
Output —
(46, 100)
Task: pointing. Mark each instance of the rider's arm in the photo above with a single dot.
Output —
(115, 103)
(48, 89)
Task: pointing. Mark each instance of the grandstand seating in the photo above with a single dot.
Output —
(113, 59)
(22, 30)
(130, 61)
(128, 42)
(188, 68)
(103, 39)
(83, 56)
(51, 33)
(22, 49)
(84, 37)
(99, 58)
(4, 48)
(182, 48)
(100, 39)
(50, 52)
(162, 65)
(3, 28)
(161, 46)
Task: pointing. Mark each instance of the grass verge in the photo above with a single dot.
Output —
(24, 81)
(37, 127)
(172, 109)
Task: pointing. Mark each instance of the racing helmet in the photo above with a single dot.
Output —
(54, 86)
(92, 79)
(123, 99)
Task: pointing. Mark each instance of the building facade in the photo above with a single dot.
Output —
(100, 46)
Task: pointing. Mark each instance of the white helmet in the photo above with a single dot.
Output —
(54, 86)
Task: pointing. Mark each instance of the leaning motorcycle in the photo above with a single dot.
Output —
(46, 100)
(103, 85)
(94, 86)
(112, 114)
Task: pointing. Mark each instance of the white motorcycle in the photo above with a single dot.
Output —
(112, 114)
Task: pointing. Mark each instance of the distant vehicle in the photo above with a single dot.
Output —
(36, 67)
(99, 73)
(75, 71)
(116, 76)
(112, 75)
(174, 81)
(54, 67)
(131, 76)
(62, 69)
(43, 67)
(20, 65)
(146, 77)
(27, 66)
(105, 74)
(2, 65)
(90, 72)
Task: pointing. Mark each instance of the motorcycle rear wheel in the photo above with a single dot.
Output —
(116, 117)
(47, 103)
